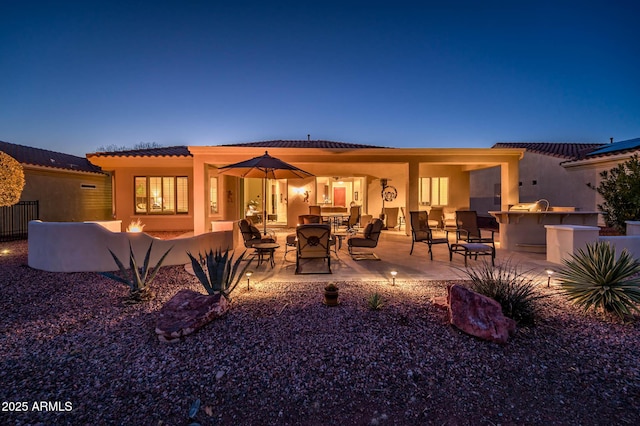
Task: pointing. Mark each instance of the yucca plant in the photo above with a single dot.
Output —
(222, 274)
(140, 277)
(514, 289)
(375, 302)
(594, 278)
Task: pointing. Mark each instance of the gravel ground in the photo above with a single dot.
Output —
(281, 357)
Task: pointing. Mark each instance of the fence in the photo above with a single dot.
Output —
(14, 220)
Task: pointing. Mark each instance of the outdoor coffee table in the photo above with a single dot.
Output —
(266, 249)
(340, 236)
(472, 249)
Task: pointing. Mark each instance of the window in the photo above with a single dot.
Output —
(213, 194)
(161, 195)
(434, 191)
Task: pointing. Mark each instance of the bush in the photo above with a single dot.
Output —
(620, 190)
(595, 279)
(222, 274)
(506, 284)
(12, 178)
(140, 278)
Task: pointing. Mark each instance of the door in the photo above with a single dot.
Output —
(340, 196)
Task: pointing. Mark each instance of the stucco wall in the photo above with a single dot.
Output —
(124, 200)
(541, 177)
(68, 196)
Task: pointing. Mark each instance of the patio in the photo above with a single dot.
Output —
(393, 250)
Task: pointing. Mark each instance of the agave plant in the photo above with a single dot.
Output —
(594, 278)
(514, 289)
(140, 277)
(375, 301)
(222, 274)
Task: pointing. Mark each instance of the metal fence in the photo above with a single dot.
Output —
(14, 220)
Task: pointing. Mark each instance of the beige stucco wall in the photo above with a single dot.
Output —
(67, 196)
(542, 177)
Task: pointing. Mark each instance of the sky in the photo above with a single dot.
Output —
(77, 76)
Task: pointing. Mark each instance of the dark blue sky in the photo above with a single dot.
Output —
(78, 75)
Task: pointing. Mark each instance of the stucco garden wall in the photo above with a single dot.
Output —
(84, 247)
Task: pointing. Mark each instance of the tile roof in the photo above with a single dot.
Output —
(555, 149)
(45, 158)
(616, 148)
(304, 144)
(168, 151)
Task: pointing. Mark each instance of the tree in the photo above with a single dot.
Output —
(620, 190)
(12, 178)
(140, 145)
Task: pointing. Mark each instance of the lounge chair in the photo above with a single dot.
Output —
(251, 235)
(421, 232)
(313, 243)
(368, 240)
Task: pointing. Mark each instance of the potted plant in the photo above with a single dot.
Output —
(331, 295)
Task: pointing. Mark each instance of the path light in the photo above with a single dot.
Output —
(4, 252)
(248, 274)
(549, 273)
(393, 277)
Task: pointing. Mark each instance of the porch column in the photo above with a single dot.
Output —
(509, 183)
(413, 192)
(199, 198)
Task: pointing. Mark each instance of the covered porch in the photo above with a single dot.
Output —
(418, 178)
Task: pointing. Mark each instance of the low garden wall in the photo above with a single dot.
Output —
(84, 247)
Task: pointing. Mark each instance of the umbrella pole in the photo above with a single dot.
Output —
(264, 206)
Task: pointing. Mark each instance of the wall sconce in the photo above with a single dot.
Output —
(393, 277)
(302, 191)
(549, 273)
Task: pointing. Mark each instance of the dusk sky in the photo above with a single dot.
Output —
(79, 75)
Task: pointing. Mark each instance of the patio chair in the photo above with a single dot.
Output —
(313, 243)
(436, 218)
(421, 232)
(354, 217)
(251, 235)
(305, 219)
(391, 217)
(467, 229)
(449, 219)
(368, 240)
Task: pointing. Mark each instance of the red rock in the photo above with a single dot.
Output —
(186, 312)
(478, 315)
(440, 302)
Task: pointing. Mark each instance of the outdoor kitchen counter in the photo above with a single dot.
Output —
(525, 231)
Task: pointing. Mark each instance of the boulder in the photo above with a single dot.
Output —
(186, 312)
(478, 315)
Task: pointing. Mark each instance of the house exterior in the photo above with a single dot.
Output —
(67, 188)
(179, 188)
(604, 157)
(543, 175)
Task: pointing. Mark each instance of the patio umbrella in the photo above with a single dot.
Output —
(264, 167)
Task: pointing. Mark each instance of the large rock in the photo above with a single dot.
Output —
(478, 315)
(186, 312)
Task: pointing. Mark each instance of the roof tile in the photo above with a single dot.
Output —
(568, 150)
(45, 158)
(304, 144)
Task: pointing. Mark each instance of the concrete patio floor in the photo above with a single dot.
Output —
(393, 250)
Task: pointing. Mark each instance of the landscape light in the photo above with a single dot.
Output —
(549, 273)
(393, 277)
(248, 274)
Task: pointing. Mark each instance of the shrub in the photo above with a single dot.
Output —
(505, 283)
(140, 278)
(12, 178)
(222, 274)
(375, 302)
(620, 190)
(596, 279)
